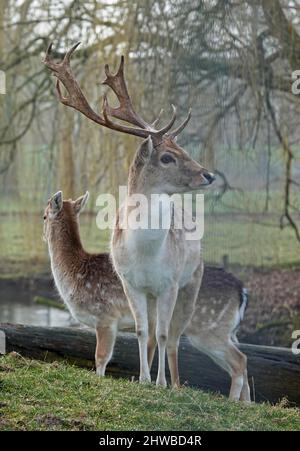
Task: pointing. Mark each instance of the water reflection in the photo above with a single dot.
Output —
(17, 306)
(33, 314)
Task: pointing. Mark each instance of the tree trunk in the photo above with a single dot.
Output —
(274, 373)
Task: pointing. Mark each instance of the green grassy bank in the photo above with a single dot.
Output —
(42, 396)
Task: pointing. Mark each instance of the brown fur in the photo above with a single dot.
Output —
(91, 278)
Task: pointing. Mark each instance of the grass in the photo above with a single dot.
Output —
(250, 243)
(41, 396)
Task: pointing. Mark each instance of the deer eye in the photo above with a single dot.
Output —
(166, 159)
(45, 217)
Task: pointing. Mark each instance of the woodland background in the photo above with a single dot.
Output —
(230, 60)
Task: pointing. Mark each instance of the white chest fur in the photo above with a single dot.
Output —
(147, 251)
(154, 264)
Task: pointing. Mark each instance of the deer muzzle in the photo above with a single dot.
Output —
(204, 178)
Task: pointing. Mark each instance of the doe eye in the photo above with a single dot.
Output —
(166, 159)
(45, 217)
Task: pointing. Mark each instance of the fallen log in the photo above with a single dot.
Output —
(274, 373)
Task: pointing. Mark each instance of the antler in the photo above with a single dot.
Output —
(179, 129)
(125, 111)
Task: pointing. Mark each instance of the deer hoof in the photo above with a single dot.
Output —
(161, 383)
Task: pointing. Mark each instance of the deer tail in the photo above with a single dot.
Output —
(244, 300)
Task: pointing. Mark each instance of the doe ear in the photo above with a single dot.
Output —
(81, 202)
(56, 202)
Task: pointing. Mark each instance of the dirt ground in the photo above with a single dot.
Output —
(274, 306)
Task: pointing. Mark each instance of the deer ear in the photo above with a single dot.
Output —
(146, 149)
(81, 202)
(56, 202)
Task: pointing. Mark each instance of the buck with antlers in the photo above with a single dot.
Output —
(161, 269)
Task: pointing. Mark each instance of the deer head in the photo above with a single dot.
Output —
(160, 164)
(61, 216)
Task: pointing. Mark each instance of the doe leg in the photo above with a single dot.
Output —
(225, 354)
(106, 337)
(238, 363)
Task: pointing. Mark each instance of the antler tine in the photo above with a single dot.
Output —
(61, 98)
(125, 111)
(48, 51)
(165, 129)
(179, 129)
(116, 126)
(47, 61)
(121, 66)
(149, 132)
(67, 57)
(154, 123)
(105, 108)
(117, 81)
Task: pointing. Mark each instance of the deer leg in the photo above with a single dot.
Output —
(234, 362)
(165, 308)
(238, 363)
(182, 315)
(138, 305)
(151, 345)
(106, 337)
(172, 352)
(177, 327)
(226, 355)
(245, 393)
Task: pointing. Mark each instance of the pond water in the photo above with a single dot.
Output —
(32, 314)
(17, 305)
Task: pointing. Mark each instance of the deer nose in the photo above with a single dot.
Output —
(209, 177)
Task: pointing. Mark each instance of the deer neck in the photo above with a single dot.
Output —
(147, 237)
(65, 246)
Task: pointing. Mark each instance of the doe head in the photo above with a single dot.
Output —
(59, 213)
